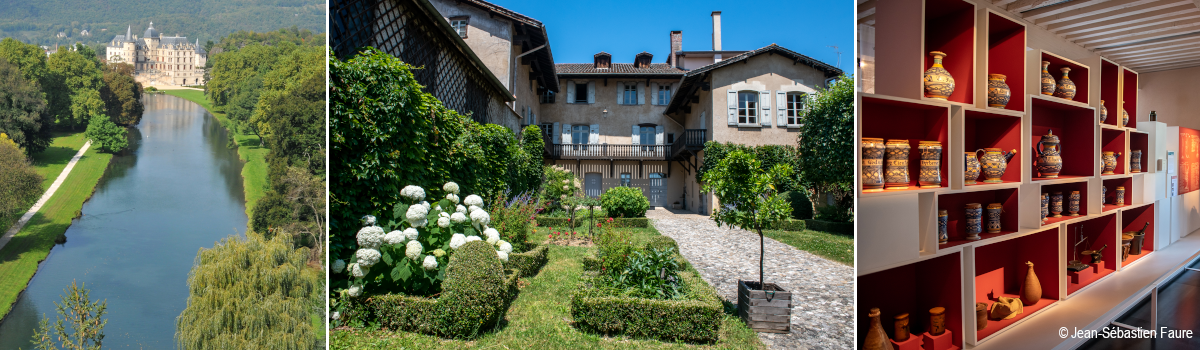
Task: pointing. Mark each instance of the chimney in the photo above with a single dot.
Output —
(676, 46)
(716, 17)
(602, 60)
(642, 60)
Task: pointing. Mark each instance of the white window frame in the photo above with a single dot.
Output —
(664, 89)
(580, 134)
(748, 109)
(460, 26)
(794, 110)
(629, 95)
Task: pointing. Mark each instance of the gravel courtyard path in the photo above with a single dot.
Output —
(823, 290)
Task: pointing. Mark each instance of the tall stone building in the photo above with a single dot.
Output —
(158, 59)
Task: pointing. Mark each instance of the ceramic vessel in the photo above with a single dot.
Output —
(943, 221)
(1110, 162)
(895, 165)
(1065, 88)
(998, 92)
(1138, 238)
(938, 82)
(1103, 195)
(1120, 200)
(1045, 207)
(901, 327)
(974, 221)
(1135, 161)
(981, 316)
(972, 168)
(993, 162)
(872, 164)
(1031, 291)
(1103, 112)
(1049, 151)
(1073, 203)
(1056, 204)
(1124, 116)
(931, 164)
(1047, 80)
(876, 337)
(937, 320)
(993, 212)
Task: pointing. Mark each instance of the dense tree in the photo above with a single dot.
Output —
(28, 57)
(241, 105)
(109, 136)
(122, 95)
(827, 148)
(79, 325)
(82, 79)
(22, 110)
(19, 184)
(230, 68)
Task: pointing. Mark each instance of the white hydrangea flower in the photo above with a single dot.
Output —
(439, 253)
(473, 238)
(480, 217)
(413, 192)
(425, 204)
(566, 188)
(339, 265)
(443, 222)
(473, 200)
(337, 315)
(458, 218)
(460, 209)
(416, 213)
(370, 237)
(395, 237)
(358, 271)
(430, 263)
(368, 220)
(453, 198)
(457, 240)
(492, 235)
(444, 214)
(505, 247)
(450, 187)
(413, 250)
(411, 233)
(356, 290)
(367, 257)
(503, 255)
(473, 209)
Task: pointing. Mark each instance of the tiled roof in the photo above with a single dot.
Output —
(692, 80)
(617, 68)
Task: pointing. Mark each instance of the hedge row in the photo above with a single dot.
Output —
(621, 222)
(696, 318)
(791, 225)
(841, 228)
(530, 262)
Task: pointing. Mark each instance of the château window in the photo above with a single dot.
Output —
(460, 25)
(546, 95)
(664, 94)
(748, 107)
(630, 96)
(794, 108)
(580, 134)
(581, 93)
(626, 178)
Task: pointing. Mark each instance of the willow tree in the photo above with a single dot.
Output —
(251, 293)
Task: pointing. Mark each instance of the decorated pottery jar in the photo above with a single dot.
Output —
(937, 320)
(902, 331)
(1103, 112)
(993, 217)
(1124, 116)
(974, 221)
(943, 221)
(938, 82)
(993, 162)
(998, 92)
(1056, 204)
(1047, 79)
(1110, 162)
(1073, 203)
(972, 168)
(895, 165)
(1103, 195)
(872, 164)
(1049, 151)
(1045, 207)
(931, 164)
(1120, 200)
(1065, 88)
(1135, 161)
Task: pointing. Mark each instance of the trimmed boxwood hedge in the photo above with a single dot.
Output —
(841, 228)
(791, 225)
(529, 262)
(696, 318)
(544, 221)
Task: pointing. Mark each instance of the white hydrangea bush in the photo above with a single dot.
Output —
(409, 252)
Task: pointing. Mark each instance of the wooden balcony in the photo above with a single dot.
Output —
(691, 142)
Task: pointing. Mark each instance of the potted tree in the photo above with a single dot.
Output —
(751, 201)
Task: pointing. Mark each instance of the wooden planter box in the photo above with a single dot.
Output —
(767, 309)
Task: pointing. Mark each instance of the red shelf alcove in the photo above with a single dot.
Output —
(1129, 95)
(1099, 232)
(1066, 189)
(1006, 55)
(956, 222)
(1110, 75)
(1140, 142)
(1113, 141)
(1000, 271)
(1133, 219)
(990, 130)
(896, 119)
(950, 28)
(1075, 129)
(1078, 74)
(914, 289)
(1110, 196)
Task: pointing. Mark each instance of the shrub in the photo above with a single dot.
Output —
(661, 242)
(545, 221)
(613, 249)
(272, 210)
(790, 225)
(625, 202)
(694, 318)
(801, 207)
(530, 262)
(827, 148)
(20, 185)
(110, 137)
(512, 218)
(841, 228)
(475, 291)
(559, 184)
(648, 273)
(151, 88)
(834, 213)
(768, 156)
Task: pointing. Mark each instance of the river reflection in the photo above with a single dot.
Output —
(178, 190)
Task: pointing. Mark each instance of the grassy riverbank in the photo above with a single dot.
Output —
(20, 257)
(252, 152)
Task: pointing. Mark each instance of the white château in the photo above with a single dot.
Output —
(159, 59)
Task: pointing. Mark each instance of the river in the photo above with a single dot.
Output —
(177, 190)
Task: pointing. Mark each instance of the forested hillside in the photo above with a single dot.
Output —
(39, 22)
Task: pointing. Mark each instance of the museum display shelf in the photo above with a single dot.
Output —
(1065, 188)
(1140, 141)
(1109, 202)
(1094, 234)
(950, 28)
(892, 118)
(915, 289)
(1110, 92)
(1114, 141)
(1132, 219)
(1129, 96)
(956, 223)
(1079, 74)
(1000, 271)
(1075, 127)
(1002, 51)
(992, 128)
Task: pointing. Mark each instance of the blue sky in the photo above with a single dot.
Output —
(623, 28)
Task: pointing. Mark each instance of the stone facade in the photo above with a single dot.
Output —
(158, 59)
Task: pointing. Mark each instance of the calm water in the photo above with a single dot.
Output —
(179, 190)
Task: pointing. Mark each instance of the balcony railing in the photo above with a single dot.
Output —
(606, 151)
(691, 140)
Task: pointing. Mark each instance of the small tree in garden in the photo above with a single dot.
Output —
(827, 149)
(108, 136)
(749, 199)
(79, 325)
(559, 184)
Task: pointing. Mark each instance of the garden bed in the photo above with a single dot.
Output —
(545, 221)
(423, 315)
(696, 318)
(841, 228)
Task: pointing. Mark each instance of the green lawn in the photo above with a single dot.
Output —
(834, 247)
(253, 154)
(20, 257)
(541, 318)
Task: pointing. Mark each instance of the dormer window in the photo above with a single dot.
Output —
(642, 60)
(459, 23)
(602, 60)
